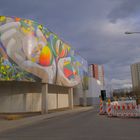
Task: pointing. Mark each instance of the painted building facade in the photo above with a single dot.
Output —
(31, 52)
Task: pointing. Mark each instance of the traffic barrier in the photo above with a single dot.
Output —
(118, 114)
(120, 109)
(101, 107)
(114, 110)
(109, 110)
(125, 110)
(129, 111)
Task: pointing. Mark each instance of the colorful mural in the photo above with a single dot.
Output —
(29, 51)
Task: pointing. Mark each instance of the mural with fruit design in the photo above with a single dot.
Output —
(29, 51)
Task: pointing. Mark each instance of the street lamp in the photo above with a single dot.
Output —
(132, 32)
(136, 90)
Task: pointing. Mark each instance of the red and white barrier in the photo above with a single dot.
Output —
(109, 108)
(101, 107)
(125, 110)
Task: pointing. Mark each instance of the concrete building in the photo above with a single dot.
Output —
(125, 92)
(38, 70)
(135, 74)
(97, 72)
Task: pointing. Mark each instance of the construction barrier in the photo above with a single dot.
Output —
(102, 107)
(109, 108)
(120, 109)
(123, 110)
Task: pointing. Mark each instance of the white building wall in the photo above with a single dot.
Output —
(95, 87)
(101, 74)
(92, 93)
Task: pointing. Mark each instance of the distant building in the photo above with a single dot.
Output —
(97, 72)
(135, 74)
(125, 92)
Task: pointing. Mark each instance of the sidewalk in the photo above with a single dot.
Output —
(7, 124)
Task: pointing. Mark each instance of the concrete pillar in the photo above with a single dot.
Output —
(57, 100)
(84, 98)
(44, 98)
(70, 98)
(25, 102)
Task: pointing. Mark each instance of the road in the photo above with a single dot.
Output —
(78, 126)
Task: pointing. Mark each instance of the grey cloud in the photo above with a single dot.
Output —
(126, 8)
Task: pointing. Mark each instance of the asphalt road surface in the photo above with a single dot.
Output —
(78, 126)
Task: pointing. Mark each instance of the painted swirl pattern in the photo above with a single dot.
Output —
(30, 52)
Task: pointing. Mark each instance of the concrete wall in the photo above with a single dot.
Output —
(57, 101)
(26, 97)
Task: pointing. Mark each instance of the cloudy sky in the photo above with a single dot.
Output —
(95, 28)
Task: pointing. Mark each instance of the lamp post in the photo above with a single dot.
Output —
(132, 32)
(136, 89)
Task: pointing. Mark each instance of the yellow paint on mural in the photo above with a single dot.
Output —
(66, 62)
(2, 18)
(45, 56)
